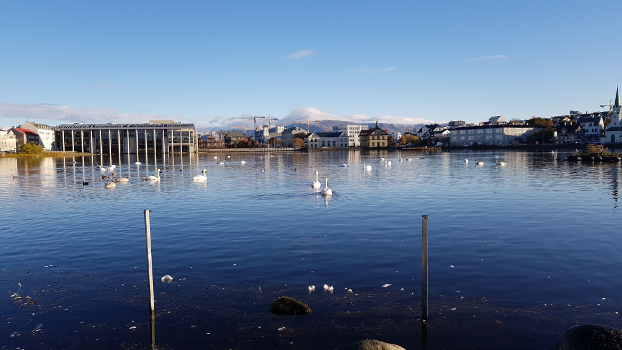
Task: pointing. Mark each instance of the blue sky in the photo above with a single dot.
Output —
(395, 61)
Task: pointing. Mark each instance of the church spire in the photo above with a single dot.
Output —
(617, 104)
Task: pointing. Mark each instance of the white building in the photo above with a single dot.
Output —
(499, 135)
(613, 132)
(335, 139)
(353, 132)
(593, 126)
(8, 141)
(45, 132)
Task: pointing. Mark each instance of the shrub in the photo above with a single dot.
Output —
(31, 148)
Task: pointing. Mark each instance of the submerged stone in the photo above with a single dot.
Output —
(289, 306)
(371, 344)
(590, 336)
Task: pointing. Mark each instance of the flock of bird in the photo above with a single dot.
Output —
(316, 185)
(479, 163)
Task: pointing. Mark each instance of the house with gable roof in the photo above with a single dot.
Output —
(8, 142)
(374, 138)
(23, 136)
(334, 139)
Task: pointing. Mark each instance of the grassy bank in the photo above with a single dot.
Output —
(44, 154)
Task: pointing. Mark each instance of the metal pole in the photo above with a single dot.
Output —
(424, 269)
(149, 265)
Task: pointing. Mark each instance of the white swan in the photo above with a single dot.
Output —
(138, 163)
(110, 185)
(479, 163)
(466, 160)
(122, 179)
(153, 178)
(243, 162)
(200, 177)
(366, 167)
(498, 162)
(112, 167)
(326, 192)
(316, 184)
(343, 165)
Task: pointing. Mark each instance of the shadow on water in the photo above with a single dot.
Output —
(72, 311)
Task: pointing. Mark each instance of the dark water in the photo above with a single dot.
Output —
(518, 253)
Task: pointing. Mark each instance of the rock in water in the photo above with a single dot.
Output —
(289, 306)
(371, 344)
(590, 336)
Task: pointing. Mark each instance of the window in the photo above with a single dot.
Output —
(470, 131)
(373, 144)
(462, 132)
(479, 131)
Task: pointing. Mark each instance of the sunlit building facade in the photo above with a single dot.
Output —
(159, 137)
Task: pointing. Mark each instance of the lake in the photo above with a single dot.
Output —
(517, 253)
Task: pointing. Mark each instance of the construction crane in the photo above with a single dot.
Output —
(254, 118)
(610, 105)
(270, 119)
(241, 127)
(306, 121)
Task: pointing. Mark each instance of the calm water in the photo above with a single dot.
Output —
(539, 237)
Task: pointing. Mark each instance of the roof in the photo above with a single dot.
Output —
(78, 126)
(497, 127)
(371, 131)
(593, 119)
(570, 127)
(617, 104)
(329, 134)
(27, 132)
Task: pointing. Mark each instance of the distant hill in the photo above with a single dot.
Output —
(327, 125)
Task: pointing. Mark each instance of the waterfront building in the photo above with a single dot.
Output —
(569, 131)
(353, 131)
(374, 138)
(211, 139)
(23, 136)
(45, 132)
(335, 139)
(613, 131)
(425, 131)
(593, 126)
(157, 136)
(499, 135)
(231, 137)
(287, 136)
(8, 141)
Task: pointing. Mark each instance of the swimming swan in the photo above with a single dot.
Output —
(200, 177)
(326, 192)
(153, 178)
(316, 184)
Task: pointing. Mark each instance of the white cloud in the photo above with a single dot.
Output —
(300, 114)
(53, 114)
(302, 53)
(372, 70)
(484, 58)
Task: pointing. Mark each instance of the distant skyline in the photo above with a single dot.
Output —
(399, 62)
